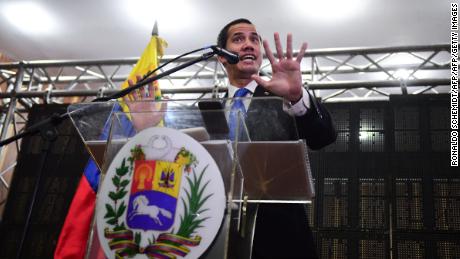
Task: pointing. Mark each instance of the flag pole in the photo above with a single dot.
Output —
(155, 29)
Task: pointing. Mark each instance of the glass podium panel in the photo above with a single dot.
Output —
(264, 162)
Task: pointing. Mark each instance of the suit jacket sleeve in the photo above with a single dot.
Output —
(316, 126)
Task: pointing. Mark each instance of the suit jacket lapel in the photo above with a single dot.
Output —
(261, 92)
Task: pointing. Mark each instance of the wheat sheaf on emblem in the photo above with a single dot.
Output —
(152, 181)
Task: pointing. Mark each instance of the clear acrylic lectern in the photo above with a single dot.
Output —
(263, 163)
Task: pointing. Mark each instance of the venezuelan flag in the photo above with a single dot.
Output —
(75, 231)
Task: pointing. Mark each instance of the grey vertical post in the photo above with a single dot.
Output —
(12, 106)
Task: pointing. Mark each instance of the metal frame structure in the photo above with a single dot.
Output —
(347, 74)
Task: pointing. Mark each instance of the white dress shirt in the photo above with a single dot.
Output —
(297, 109)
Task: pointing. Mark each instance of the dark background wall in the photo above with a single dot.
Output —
(63, 169)
(386, 185)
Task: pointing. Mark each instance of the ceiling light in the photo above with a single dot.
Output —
(29, 17)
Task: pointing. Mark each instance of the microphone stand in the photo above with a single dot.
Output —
(48, 132)
(56, 119)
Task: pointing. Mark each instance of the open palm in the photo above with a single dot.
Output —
(286, 78)
(145, 110)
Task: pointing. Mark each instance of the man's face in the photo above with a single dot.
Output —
(244, 40)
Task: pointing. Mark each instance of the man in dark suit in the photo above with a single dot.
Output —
(281, 230)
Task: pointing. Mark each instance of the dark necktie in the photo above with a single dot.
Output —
(237, 106)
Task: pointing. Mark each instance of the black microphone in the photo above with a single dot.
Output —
(231, 57)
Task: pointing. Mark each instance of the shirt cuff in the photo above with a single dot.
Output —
(300, 107)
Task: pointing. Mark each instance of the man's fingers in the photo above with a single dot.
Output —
(279, 49)
(289, 46)
(152, 90)
(301, 52)
(260, 81)
(268, 52)
(130, 82)
(126, 98)
(140, 92)
(143, 90)
(156, 92)
(131, 96)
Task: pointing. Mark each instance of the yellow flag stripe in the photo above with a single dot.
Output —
(147, 62)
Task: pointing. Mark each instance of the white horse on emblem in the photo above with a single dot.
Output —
(141, 207)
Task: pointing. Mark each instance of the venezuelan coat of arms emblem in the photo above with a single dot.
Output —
(162, 197)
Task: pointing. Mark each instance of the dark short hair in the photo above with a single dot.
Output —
(223, 34)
